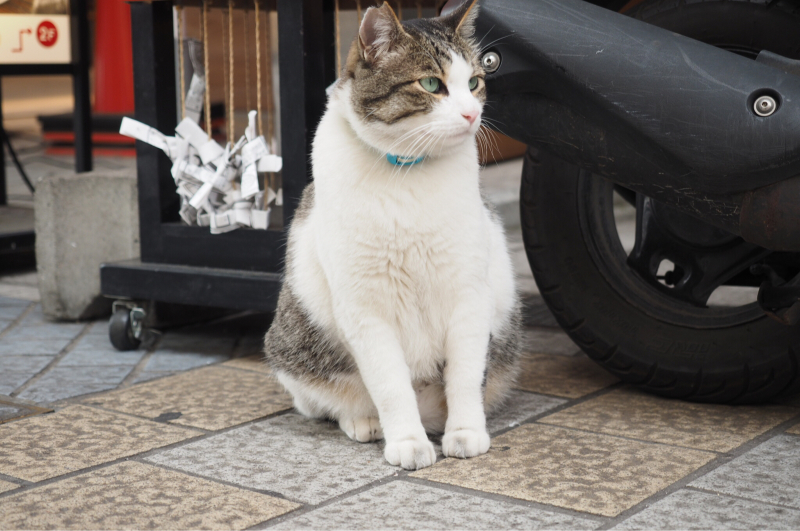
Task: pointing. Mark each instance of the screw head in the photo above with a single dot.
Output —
(490, 62)
(765, 106)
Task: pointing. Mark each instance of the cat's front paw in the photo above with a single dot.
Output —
(465, 443)
(411, 454)
(362, 429)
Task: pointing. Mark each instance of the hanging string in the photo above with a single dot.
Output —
(231, 134)
(246, 62)
(358, 11)
(179, 10)
(225, 70)
(206, 69)
(419, 9)
(338, 38)
(258, 69)
(268, 82)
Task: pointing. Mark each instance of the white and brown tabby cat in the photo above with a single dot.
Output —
(398, 314)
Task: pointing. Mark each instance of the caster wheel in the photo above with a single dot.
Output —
(120, 330)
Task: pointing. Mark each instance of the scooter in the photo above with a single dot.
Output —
(688, 113)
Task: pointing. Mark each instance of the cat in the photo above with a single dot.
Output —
(398, 314)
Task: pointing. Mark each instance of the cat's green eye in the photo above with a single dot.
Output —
(431, 84)
(473, 83)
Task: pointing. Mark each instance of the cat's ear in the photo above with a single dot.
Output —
(461, 15)
(379, 32)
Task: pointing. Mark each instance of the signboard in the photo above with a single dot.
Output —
(35, 32)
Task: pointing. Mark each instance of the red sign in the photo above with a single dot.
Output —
(47, 33)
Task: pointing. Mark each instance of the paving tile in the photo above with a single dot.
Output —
(212, 342)
(302, 459)
(16, 370)
(794, 430)
(34, 347)
(91, 356)
(146, 376)
(181, 361)
(769, 473)
(566, 376)
(690, 509)
(6, 486)
(543, 341)
(634, 414)
(387, 507)
(250, 363)
(586, 472)
(11, 410)
(211, 398)
(134, 495)
(36, 326)
(10, 309)
(77, 437)
(519, 407)
(67, 382)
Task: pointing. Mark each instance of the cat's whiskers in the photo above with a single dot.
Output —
(382, 155)
(493, 42)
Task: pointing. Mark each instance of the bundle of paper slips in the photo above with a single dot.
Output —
(218, 185)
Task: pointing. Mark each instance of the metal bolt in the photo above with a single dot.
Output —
(490, 62)
(765, 106)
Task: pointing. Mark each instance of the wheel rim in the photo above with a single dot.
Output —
(600, 233)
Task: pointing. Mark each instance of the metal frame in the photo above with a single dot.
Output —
(188, 265)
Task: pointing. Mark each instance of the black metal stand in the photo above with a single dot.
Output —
(188, 265)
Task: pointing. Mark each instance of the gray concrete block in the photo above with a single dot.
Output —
(770, 473)
(690, 509)
(404, 505)
(302, 459)
(82, 220)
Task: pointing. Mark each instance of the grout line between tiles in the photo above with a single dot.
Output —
(569, 402)
(729, 495)
(307, 507)
(274, 494)
(137, 369)
(715, 463)
(645, 441)
(507, 499)
(19, 319)
(55, 361)
(15, 480)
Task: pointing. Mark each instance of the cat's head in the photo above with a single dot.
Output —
(416, 88)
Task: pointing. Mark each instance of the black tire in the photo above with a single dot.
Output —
(614, 316)
(120, 331)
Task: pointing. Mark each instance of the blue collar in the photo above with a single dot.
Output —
(399, 160)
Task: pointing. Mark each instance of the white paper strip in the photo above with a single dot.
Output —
(259, 219)
(249, 182)
(254, 150)
(143, 132)
(194, 97)
(270, 164)
(192, 132)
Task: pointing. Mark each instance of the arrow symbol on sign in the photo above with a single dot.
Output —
(17, 50)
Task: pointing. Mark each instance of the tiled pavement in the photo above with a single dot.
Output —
(194, 434)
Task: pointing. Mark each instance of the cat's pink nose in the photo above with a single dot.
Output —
(470, 116)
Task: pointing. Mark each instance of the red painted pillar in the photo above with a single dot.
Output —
(113, 58)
